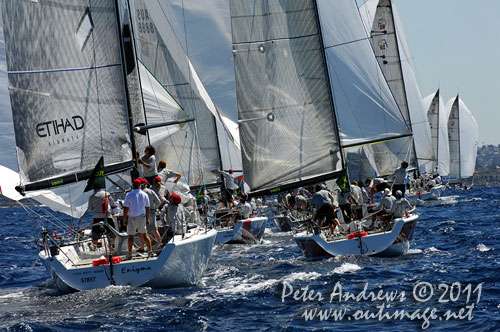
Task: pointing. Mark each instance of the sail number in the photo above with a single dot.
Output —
(144, 24)
(87, 279)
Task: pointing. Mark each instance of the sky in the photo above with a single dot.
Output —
(454, 43)
(456, 48)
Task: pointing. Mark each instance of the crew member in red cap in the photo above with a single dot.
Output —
(176, 217)
(136, 216)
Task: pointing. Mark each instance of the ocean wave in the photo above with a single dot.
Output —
(415, 251)
(481, 247)
(12, 295)
(302, 276)
(345, 268)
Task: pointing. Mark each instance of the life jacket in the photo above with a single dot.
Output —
(104, 204)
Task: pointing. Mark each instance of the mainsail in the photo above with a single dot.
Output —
(389, 44)
(292, 58)
(288, 130)
(463, 136)
(438, 122)
(67, 89)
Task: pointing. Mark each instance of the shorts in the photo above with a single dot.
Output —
(136, 224)
(98, 231)
(397, 187)
(325, 211)
(381, 186)
(153, 226)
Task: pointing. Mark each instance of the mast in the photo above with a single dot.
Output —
(134, 172)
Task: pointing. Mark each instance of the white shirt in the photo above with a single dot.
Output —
(151, 161)
(357, 193)
(166, 174)
(399, 207)
(176, 218)
(136, 201)
(399, 175)
(154, 200)
(244, 209)
(387, 202)
(229, 180)
(96, 200)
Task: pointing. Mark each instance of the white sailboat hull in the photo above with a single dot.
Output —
(244, 231)
(316, 247)
(181, 263)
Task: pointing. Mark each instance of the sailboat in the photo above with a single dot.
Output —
(171, 71)
(76, 91)
(308, 86)
(389, 43)
(463, 136)
(438, 123)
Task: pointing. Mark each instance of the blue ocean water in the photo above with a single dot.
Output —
(249, 287)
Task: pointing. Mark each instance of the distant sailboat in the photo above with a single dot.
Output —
(438, 121)
(463, 135)
(308, 86)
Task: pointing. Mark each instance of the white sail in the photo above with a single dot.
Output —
(464, 136)
(438, 122)
(202, 145)
(281, 88)
(418, 113)
(389, 43)
(364, 104)
(66, 83)
(287, 125)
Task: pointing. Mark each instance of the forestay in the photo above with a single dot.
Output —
(66, 86)
(438, 122)
(288, 130)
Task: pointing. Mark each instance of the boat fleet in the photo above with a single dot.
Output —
(325, 92)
